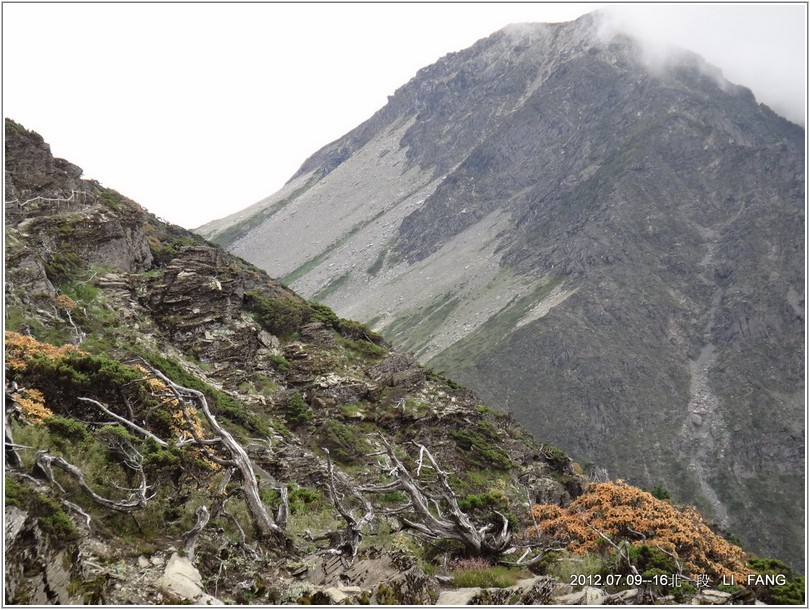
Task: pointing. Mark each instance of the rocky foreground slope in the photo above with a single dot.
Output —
(180, 428)
(605, 242)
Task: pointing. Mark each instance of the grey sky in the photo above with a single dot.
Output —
(199, 110)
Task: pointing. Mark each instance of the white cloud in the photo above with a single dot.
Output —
(760, 46)
(199, 110)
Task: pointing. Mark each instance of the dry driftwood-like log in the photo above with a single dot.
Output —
(238, 457)
(12, 457)
(344, 542)
(191, 536)
(45, 462)
(432, 511)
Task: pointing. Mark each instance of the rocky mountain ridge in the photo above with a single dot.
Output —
(608, 247)
(180, 428)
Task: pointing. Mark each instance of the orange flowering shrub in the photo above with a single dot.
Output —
(158, 388)
(32, 405)
(21, 348)
(22, 352)
(626, 513)
(65, 302)
(180, 424)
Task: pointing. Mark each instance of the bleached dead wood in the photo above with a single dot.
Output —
(237, 456)
(344, 542)
(126, 422)
(432, 511)
(137, 499)
(12, 457)
(191, 536)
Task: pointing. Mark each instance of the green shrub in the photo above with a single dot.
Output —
(110, 198)
(298, 412)
(63, 265)
(67, 428)
(322, 313)
(48, 512)
(163, 252)
(303, 499)
(492, 576)
(490, 500)
(792, 592)
(555, 457)
(660, 493)
(563, 566)
(280, 316)
(365, 348)
(158, 457)
(82, 292)
(682, 592)
(482, 446)
(280, 362)
(344, 444)
(356, 330)
(650, 561)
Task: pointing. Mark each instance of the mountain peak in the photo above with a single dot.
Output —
(555, 215)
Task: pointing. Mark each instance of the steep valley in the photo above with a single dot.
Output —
(182, 429)
(609, 250)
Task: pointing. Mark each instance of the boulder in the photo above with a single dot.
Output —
(589, 596)
(711, 597)
(182, 580)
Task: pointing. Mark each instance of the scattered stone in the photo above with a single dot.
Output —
(457, 597)
(589, 596)
(158, 561)
(181, 579)
(336, 596)
(351, 590)
(711, 597)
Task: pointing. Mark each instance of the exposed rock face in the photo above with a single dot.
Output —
(611, 250)
(41, 570)
(380, 578)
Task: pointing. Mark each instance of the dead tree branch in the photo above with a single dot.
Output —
(76, 508)
(434, 513)
(243, 545)
(264, 521)
(345, 542)
(126, 422)
(137, 500)
(621, 549)
(645, 594)
(191, 536)
(283, 513)
(12, 457)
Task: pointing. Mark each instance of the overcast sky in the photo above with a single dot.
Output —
(199, 110)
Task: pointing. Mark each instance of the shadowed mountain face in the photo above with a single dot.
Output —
(610, 248)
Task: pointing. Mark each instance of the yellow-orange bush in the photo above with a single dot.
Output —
(158, 388)
(21, 348)
(32, 405)
(624, 512)
(65, 302)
